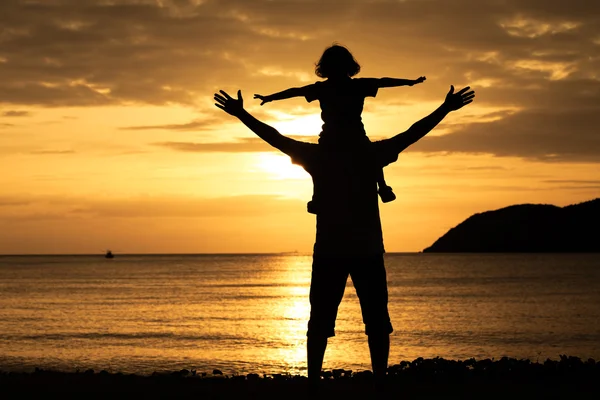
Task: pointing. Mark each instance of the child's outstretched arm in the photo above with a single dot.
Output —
(285, 94)
(393, 82)
(267, 133)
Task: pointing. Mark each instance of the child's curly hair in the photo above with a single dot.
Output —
(336, 60)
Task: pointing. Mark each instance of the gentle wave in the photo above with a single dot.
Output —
(124, 336)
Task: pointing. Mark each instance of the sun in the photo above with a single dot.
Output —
(281, 167)
(297, 125)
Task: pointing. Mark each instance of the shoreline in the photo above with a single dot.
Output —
(417, 379)
(439, 364)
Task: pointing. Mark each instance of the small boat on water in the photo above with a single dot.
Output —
(109, 254)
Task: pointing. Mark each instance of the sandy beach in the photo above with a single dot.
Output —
(569, 377)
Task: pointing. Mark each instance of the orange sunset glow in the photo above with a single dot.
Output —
(109, 137)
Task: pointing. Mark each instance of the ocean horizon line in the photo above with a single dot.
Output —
(307, 253)
(297, 253)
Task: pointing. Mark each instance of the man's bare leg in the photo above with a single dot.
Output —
(379, 346)
(315, 349)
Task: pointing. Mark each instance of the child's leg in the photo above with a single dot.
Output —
(385, 192)
(311, 206)
(380, 179)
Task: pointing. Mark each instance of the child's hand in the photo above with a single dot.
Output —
(420, 79)
(265, 99)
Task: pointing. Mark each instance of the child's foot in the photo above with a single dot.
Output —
(311, 207)
(386, 194)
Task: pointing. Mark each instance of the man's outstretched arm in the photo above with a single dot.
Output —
(453, 102)
(267, 133)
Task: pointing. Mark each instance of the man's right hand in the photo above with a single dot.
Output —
(228, 104)
(455, 101)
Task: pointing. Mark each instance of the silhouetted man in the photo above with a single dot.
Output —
(349, 238)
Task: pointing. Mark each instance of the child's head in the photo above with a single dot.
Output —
(337, 61)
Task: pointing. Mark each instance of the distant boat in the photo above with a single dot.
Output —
(109, 254)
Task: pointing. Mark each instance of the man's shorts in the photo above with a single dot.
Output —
(328, 281)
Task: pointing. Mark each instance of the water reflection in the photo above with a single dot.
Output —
(294, 307)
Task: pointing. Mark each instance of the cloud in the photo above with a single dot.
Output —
(583, 183)
(243, 145)
(565, 137)
(579, 187)
(240, 146)
(234, 206)
(539, 58)
(48, 207)
(51, 152)
(12, 202)
(97, 52)
(37, 94)
(205, 122)
(573, 181)
(15, 113)
(483, 168)
(574, 184)
(195, 125)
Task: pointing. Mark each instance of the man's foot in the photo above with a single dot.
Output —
(386, 194)
(380, 386)
(314, 388)
(311, 207)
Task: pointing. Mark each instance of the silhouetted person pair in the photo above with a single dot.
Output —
(349, 239)
(341, 99)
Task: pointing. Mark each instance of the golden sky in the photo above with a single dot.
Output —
(109, 137)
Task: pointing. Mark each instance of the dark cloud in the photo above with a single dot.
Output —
(13, 202)
(437, 168)
(243, 145)
(33, 93)
(195, 125)
(15, 113)
(579, 187)
(207, 122)
(566, 136)
(540, 58)
(573, 181)
(574, 184)
(96, 51)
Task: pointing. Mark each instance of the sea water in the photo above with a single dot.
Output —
(249, 313)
